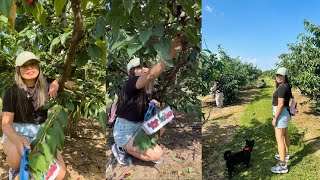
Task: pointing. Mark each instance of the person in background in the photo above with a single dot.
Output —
(264, 84)
(218, 93)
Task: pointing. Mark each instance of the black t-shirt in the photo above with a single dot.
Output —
(130, 110)
(218, 88)
(35, 114)
(283, 91)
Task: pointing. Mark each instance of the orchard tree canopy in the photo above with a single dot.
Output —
(303, 62)
(232, 73)
(145, 29)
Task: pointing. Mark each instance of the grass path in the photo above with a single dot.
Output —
(255, 123)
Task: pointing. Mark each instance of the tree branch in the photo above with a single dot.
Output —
(77, 35)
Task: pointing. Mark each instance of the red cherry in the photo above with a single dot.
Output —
(30, 1)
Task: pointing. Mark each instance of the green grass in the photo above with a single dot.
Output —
(256, 124)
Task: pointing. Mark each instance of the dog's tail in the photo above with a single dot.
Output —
(227, 155)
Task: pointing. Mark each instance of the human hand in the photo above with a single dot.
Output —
(157, 103)
(53, 89)
(20, 143)
(176, 45)
(274, 122)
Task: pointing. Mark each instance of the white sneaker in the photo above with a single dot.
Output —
(159, 161)
(280, 168)
(13, 173)
(122, 157)
(277, 157)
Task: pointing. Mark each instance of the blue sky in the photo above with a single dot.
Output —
(256, 30)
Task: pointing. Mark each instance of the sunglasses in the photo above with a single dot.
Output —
(29, 64)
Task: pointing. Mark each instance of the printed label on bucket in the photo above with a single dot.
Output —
(158, 121)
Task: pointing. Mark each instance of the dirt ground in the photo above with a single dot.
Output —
(219, 129)
(308, 121)
(181, 143)
(84, 156)
(221, 126)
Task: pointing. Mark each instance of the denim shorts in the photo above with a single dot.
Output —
(123, 131)
(284, 117)
(27, 130)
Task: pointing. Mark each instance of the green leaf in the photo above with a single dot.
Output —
(41, 132)
(69, 105)
(137, 139)
(128, 5)
(52, 140)
(63, 116)
(191, 35)
(145, 142)
(5, 6)
(121, 43)
(101, 26)
(187, 8)
(49, 104)
(64, 37)
(82, 58)
(37, 161)
(103, 46)
(153, 142)
(58, 6)
(39, 135)
(39, 13)
(158, 31)
(144, 36)
(190, 169)
(102, 118)
(94, 51)
(45, 148)
(84, 4)
(36, 174)
(162, 49)
(3, 19)
(53, 43)
(96, 2)
(60, 132)
(132, 48)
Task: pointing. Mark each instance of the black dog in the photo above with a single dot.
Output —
(239, 157)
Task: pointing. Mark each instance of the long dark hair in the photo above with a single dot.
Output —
(143, 95)
(21, 89)
(286, 80)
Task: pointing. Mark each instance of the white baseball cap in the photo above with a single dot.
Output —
(25, 56)
(135, 62)
(282, 71)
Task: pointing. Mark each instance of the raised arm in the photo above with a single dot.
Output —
(160, 66)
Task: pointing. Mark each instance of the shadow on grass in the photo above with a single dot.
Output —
(310, 147)
(262, 158)
(264, 94)
(213, 146)
(313, 111)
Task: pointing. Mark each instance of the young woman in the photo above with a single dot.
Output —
(218, 93)
(281, 119)
(132, 105)
(23, 112)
